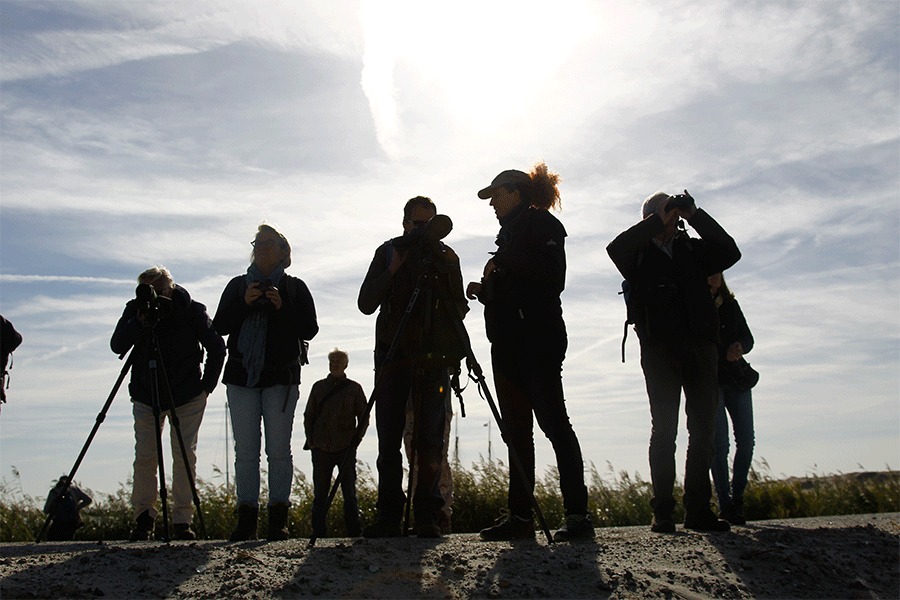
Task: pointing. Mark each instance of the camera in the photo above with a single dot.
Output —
(680, 201)
(263, 301)
(151, 306)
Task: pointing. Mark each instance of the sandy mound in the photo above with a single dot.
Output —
(832, 557)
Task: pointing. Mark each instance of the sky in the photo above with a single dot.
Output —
(141, 133)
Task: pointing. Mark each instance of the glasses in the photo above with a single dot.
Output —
(263, 243)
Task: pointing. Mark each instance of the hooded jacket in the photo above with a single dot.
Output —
(182, 336)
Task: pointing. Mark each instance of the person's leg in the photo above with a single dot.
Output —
(543, 379)
(322, 470)
(431, 420)
(701, 396)
(390, 420)
(144, 490)
(719, 468)
(518, 420)
(348, 490)
(189, 418)
(246, 411)
(278, 405)
(740, 407)
(662, 373)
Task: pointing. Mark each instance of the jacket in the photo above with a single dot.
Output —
(522, 296)
(182, 336)
(330, 423)
(285, 333)
(732, 328)
(390, 296)
(670, 295)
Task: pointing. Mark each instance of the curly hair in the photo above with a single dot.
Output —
(542, 191)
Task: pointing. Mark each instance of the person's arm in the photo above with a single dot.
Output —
(744, 342)
(720, 250)
(232, 309)
(312, 411)
(625, 249)
(377, 283)
(213, 343)
(297, 314)
(128, 329)
(361, 403)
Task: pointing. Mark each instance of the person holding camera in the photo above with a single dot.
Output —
(678, 328)
(736, 378)
(183, 330)
(521, 291)
(419, 364)
(268, 317)
(336, 408)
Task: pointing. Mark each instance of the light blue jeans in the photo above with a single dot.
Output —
(739, 406)
(272, 407)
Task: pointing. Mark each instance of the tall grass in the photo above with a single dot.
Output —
(616, 499)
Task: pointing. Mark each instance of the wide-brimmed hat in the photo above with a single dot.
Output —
(505, 178)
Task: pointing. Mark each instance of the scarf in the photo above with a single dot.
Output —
(252, 339)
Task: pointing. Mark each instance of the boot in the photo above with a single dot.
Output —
(704, 519)
(246, 527)
(143, 528)
(183, 531)
(278, 516)
(576, 527)
(511, 528)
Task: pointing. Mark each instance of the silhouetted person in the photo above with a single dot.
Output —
(388, 286)
(678, 328)
(10, 339)
(336, 407)
(268, 316)
(67, 516)
(183, 334)
(523, 318)
(735, 401)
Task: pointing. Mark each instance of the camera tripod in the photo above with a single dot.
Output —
(425, 282)
(157, 371)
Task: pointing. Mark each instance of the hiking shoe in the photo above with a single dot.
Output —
(662, 523)
(246, 527)
(278, 517)
(576, 527)
(444, 523)
(511, 528)
(143, 528)
(705, 520)
(382, 529)
(183, 531)
(733, 515)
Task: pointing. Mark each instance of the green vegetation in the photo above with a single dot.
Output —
(479, 497)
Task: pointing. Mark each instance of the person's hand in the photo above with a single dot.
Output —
(473, 290)
(252, 294)
(397, 261)
(274, 297)
(735, 352)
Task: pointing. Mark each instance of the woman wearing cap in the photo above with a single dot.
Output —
(523, 317)
(266, 314)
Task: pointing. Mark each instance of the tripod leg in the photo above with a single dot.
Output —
(101, 416)
(413, 448)
(157, 416)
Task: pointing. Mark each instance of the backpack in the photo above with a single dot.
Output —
(627, 294)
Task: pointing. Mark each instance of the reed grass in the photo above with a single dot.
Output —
(615, 499)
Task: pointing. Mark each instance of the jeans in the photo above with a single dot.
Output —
(667, 370)
(324, 464)
(739, 406)
(144, 489)
(274, 407)
(530, 387)
(398, 380)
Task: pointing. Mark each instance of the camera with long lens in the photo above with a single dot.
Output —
(432, 231)
(680, 201)
(151, 306)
